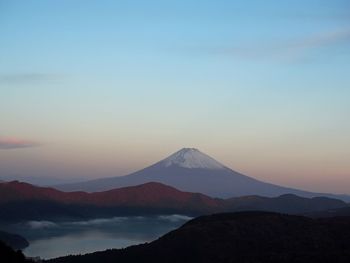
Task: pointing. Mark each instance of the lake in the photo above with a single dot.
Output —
(50, 239)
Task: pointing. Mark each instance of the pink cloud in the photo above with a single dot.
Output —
(7, 143)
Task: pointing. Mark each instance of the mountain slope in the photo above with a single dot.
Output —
(22, 201)
(333, 212)
(239, 237)
(13, 240)
(193, 171)
(146, 195)
(8, 255)
(287, 203)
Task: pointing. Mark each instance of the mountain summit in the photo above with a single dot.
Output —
(191, 158)
(193, 171)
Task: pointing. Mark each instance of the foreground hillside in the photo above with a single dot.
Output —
(22, 201)
(13, 240)
(8, 255)
(239, 237)
(336, 212)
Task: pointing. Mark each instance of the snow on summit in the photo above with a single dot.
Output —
(191, 158)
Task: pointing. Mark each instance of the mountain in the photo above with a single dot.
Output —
(38, 180)
(332, 212)
(8, 255)
(22, 201)
(193, 171)
(254, 237)
(288, 203)
(13, 240)
(148, 194)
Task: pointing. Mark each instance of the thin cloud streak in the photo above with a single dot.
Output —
(10, 143)
(324, 39)
(29, 78)
(291, 50)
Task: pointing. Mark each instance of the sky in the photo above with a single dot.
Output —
(91, 89)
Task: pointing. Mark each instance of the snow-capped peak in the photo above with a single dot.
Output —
(191, 158)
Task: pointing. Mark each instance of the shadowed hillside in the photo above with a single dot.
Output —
(13, 240)
(239, 237)
(8, 255)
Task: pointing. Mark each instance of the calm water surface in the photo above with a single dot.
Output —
(53, 239)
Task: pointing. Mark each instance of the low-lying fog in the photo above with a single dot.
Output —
(50, 239)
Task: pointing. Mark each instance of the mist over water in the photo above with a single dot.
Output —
(50, 239)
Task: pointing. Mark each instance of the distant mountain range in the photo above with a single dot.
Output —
(193, 171)
(254, 237)
(22, 201)
(39, 180)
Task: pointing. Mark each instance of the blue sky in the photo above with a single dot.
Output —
(102, 88)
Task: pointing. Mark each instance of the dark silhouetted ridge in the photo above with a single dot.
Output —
(239, 237)
(8, 255)
(13, 240)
